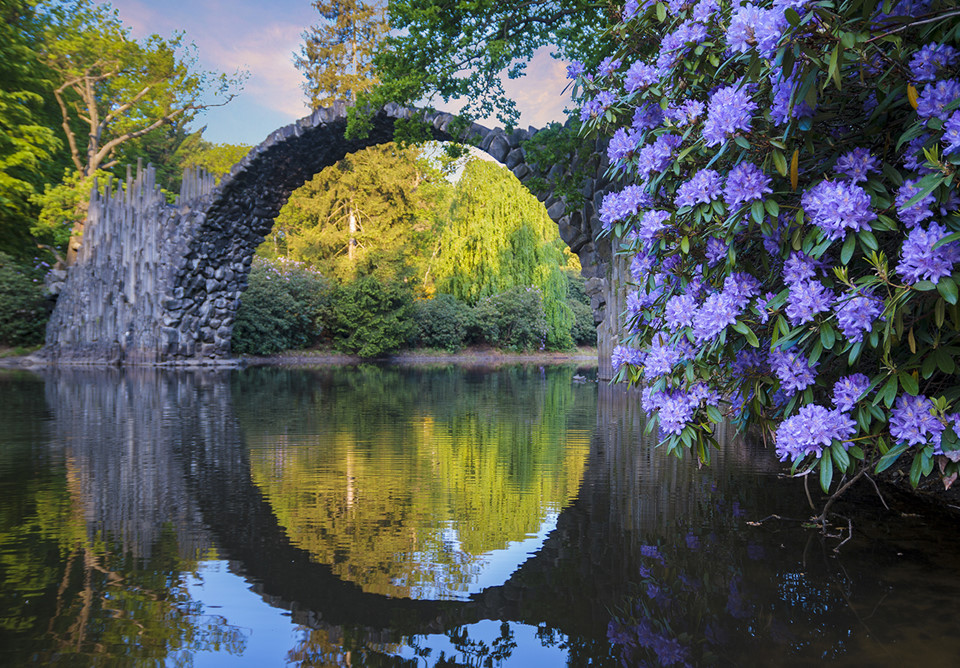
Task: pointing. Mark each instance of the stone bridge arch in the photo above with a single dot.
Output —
(157, 284)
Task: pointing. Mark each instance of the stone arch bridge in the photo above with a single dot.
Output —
(157, 284)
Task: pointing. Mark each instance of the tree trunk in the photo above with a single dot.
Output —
(352, 243)
(76, 239)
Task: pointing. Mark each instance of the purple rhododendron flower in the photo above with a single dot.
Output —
(656, 157)
(717, 311)
(574, 69)
(856, 313)
(951, 133)
(751, 26)
(660, 359)
(806, 300)
(913, 157)
(750, 362)
(686, 113)
(622, 145)
(625, 355)
(911, 420)
(633, 7)
(637, 301)
(856, 165)
(621, 205)
(653, 223)
(729, 111)
(678, 311)
(793, 369)
(653, 552)
(641, 266)
(703, 187)
(671, 263)
(605, 98)
(640, 75)
(951, 203)
(762, 306)
(608, 66)
(716, 251)
(590, 109)
(929, 59)
(700, 394)
(837, 206)
(674, 411)
(647, 117)
(911, 216)
(811, 430)
(780, 110)
(935, 97)
(920, 261)
(704, 10)
(773, 239)
(848, 390)
(745, 183)
(675, 45)
(740, 287)
(798, 267)
(908, 8)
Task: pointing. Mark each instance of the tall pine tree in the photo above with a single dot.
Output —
(338, 52)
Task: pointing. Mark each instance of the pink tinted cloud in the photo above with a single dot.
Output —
(258, 37)
(540, 94)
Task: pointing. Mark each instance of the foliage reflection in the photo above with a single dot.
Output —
(408, 495)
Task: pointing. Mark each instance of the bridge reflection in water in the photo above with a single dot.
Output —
(649, 559)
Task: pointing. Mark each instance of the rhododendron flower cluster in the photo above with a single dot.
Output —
(787, 199)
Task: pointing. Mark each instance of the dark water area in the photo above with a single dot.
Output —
(406, 517)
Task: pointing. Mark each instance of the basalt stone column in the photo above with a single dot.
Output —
(159, 284)
(111, 307)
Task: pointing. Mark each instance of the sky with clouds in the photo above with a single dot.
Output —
(261, 37)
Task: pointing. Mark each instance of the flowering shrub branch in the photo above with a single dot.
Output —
(790, 211)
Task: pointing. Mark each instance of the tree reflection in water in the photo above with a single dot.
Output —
(408, 487)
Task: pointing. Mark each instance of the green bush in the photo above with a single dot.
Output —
(584, 331)
(280, 309)
(442, 322)
(370, 318)
(24, 308)
(513, 319)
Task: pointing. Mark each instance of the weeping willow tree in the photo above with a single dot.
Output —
(499, 236)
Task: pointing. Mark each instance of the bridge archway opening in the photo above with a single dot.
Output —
(420, 223)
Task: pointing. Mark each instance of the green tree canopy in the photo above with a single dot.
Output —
(111, 88)
(337, 55)
(29, 146)
(216, 159)
(498, 237)
(374, 212)
(460, 50)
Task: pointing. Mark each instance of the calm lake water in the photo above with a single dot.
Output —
(406, 517)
